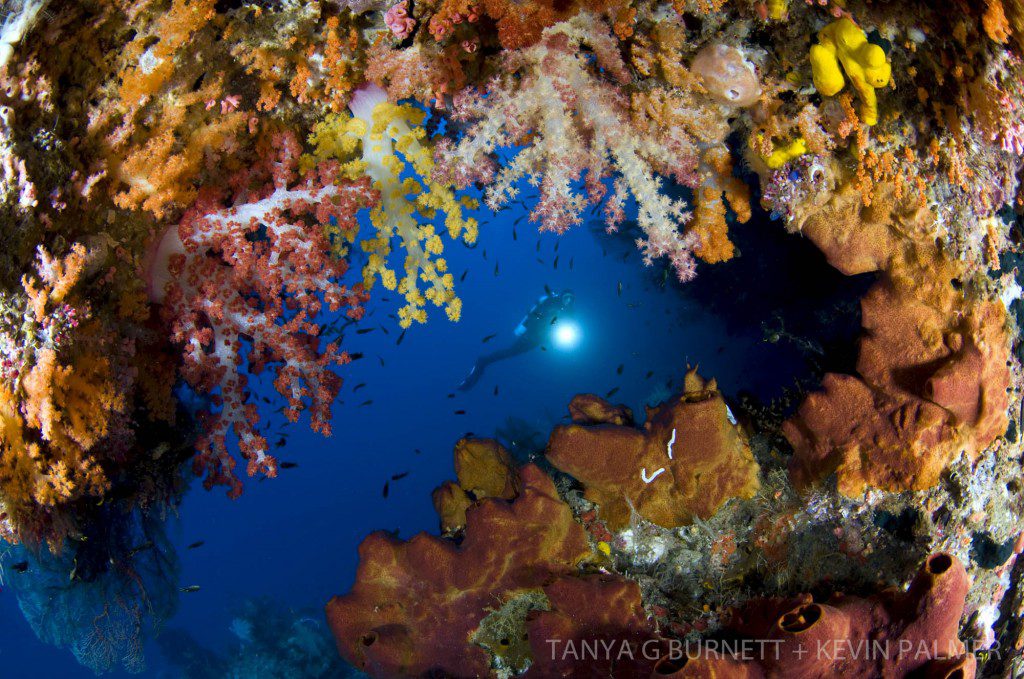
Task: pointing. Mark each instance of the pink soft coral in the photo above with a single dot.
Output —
(256, 268)
(398, 20)
(562, 99)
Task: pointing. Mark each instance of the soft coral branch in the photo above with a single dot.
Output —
(561, 100)
(257, 269)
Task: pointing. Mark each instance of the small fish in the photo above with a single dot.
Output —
(288, 465)
(363, 331)
(612, 392)
(650, 374)
(188, 589)
(556, 261)
(515, 236)
(554, 319)
(381, 359)
(618, 371)
(497, 268)
(387, 487)
(356, 356)
(557, 243)
(400, 338)
(197, 544)
(368, 402)
(538, 245)
(460, 412)
(279, 443)
(452, 395)
(489, 338)
(495, 389)
(572, 260)
(547, 290)
(620, 289)
(384, 330)
(141, 548)
(417, 451)
(485, 253)
(463, 276)
(358, 387)
(398, 477)
(20, 567)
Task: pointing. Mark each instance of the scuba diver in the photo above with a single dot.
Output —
(531, 332)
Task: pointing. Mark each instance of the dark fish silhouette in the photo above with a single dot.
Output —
(20, 567)
(463, 276)
(490, 337)
(400, 338)
(612, 392)
(141, 548)
(363, 331)
(191, 588)
(368, 402)
(384, 493)
(397, 477)
(197, 544)
(618, 371)
(460, 412)
(288, 465)
(358, 387)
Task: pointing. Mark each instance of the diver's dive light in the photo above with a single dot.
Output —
(566, 334)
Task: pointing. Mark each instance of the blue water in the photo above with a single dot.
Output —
(294, 538)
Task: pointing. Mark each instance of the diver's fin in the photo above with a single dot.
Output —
(473, 377)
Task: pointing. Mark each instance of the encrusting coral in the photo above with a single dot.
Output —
(661, 470)
(230, 150)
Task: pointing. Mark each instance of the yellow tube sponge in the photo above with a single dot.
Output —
(843, 43)
(783, 154)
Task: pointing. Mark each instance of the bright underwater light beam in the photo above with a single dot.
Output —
(566, 335)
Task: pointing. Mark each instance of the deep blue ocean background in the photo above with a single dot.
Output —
(759, 324)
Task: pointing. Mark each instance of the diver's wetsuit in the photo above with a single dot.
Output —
(531, 332)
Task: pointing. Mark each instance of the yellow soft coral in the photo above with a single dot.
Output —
(842, 42)
(371, 141)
